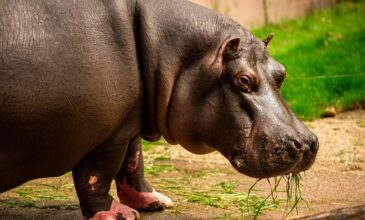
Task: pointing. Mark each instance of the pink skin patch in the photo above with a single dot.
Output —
(117, 209)
(133, 163)
(92, 181)
(141, 200)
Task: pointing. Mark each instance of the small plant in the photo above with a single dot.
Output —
(228, 187)
(257, 209)
(293, 194)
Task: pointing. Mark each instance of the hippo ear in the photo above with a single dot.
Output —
(268, 39)
(231, 49)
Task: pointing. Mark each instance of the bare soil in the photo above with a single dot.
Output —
(336, 181)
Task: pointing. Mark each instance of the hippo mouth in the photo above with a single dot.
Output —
(238, 159)
(261, 169)
(280, 159)
(262, 155)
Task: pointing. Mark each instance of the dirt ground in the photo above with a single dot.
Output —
(206, 187)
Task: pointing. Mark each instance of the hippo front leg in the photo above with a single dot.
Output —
(93, 176)
(133, 188)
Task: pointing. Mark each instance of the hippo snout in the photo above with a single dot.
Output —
(266, 156)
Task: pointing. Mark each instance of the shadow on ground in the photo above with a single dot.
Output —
(350, 213)
(54, 214)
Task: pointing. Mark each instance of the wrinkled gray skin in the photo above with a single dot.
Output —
(81, 79)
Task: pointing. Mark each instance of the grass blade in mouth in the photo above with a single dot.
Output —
(293, 183)
(292, 191)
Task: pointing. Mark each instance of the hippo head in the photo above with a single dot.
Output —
(230, 101)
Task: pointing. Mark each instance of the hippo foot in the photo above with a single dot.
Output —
(143, 201)
(117, 212)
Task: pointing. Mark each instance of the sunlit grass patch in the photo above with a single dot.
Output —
(42, 196)
(224, 196)
(147, 146)
(157, 168)
(156, 157)
(323, 54)
(44, 191)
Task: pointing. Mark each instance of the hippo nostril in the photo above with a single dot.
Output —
(297, 144)
(294, 149)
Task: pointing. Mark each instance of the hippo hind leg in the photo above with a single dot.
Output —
(93, 176)
(133, 189)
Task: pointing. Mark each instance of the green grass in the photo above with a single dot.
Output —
(40, 196)
(324, 55)
(222, 195)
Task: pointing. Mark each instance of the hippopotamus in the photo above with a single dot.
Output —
(83, 82)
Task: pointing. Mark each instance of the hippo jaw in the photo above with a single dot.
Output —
(282, 157)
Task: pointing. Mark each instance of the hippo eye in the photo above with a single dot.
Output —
(244, 83)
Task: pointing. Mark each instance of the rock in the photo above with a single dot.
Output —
(329, 112)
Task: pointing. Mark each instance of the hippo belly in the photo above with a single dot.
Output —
(46, 127)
